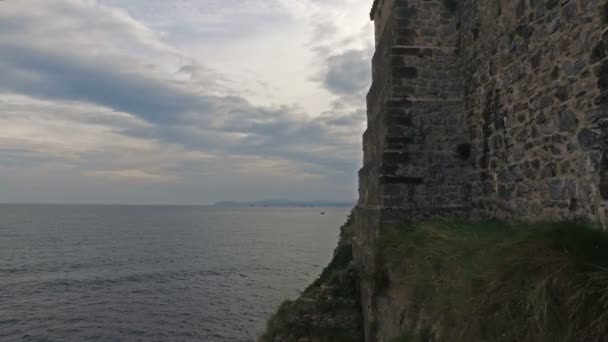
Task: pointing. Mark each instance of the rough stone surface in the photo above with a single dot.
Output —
(540, 65)
(498, 110)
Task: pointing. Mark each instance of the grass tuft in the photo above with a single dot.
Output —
(407, 336)
(328, 309)
(491, 281)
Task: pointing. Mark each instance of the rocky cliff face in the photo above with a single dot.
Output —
(480, 108)
(329, 310)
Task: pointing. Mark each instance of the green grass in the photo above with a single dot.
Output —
(491, 281)
(405, 337)
(289, 321)
(410, 336)
(334, 294)
(343, 255)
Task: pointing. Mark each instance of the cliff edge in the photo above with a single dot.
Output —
(484, 110)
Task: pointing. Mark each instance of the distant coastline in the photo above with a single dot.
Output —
(284, 203)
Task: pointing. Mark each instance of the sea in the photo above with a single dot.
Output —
(155, 273)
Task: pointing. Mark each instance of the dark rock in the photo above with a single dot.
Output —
(555, 190)
(505, 191)
(567, 120)
(604, 185)
(572, 69)
(587, 139)
(549, 171)
(562, 93)
(602, 76)
(535, 60)
(551, 4)
(405, 72)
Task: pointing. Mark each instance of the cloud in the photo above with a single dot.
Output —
(211, 20)
(133, 175)
(348, 73)
(81, 136)
(91, 90)
(343, 54)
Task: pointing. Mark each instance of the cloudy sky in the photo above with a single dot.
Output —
(182, 101)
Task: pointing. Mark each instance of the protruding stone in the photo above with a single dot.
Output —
(587, 139)
(603, 186)
(405, 72)
(555, 190)
(567, 120)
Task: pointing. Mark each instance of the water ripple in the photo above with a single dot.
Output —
(94, 273)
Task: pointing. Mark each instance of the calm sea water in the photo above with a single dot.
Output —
(149, 273)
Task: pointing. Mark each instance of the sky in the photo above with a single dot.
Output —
(182, 101)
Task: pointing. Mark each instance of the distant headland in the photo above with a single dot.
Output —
(285, 203)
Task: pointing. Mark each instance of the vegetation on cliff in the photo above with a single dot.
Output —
(490, 281)
(329, 309)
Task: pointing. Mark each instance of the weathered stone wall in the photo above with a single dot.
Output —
(533, 106)
(497, 110)
(415, 118)
(413, 166)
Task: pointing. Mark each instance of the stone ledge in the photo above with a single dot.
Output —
(401, 180)
(424, 47)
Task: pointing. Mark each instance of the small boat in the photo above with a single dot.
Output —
(322, 213)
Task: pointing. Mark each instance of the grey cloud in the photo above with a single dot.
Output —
(324, 31)
(224, 125)
(210, 20)
(344, 58)
(66, 77)
(346, 70)
(348, 73)
(347, 120)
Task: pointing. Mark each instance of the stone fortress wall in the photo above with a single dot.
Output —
(534, 75)
(498, 109)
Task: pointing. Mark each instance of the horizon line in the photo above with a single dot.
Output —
(216, 204)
